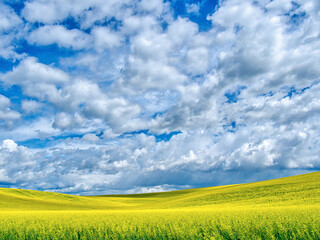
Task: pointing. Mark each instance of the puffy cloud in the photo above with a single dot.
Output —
(63, 120)
(16, 164)
(58, 34)
(38, 128)
(6, 113)
(10, 27)
(86, 102)
(139, 163)
(31, 75)
(10, 145)
(88, 11)
(116, 111)
(78, 100)
(155, 57)
(4, 102)
(137, 24)
(34, 70)
(55, 10)
(181, 30)
(100, 10)
(30, 106)
(104, 38)
(197, 60)
(90, 137)
(8, 18)
(153, 6)
(34, 11)
(193, 8)
(266, 48)
(108, 133)
(147, 75)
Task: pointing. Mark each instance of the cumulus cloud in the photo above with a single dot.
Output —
(50, 34)
(153, 6)
(16, 163)
(193, 8)
(90, 137)
(10, 26)
(8, 18)
(9, 145)
(197, 60)
(39, 127)
(6, 113)
(30, 106)
(37, 79)
(156, 56)
(63, 120)
(139, 163)
(104, 38)
(86, 101)
(58, 10)
(262, 48)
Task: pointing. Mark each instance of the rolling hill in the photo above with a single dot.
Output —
(290, 191)
(286, 208)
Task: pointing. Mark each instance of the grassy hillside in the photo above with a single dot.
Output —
(296, 190)
(287, 208)
(17, 199)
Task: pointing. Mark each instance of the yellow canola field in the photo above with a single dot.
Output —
(287, 208)
(274, 223)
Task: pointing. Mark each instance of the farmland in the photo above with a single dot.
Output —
(287, 208)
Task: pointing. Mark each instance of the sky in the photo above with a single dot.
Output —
(129, 96)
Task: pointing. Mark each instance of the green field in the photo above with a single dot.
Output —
(287, 208)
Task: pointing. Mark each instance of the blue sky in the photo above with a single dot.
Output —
(126, 96)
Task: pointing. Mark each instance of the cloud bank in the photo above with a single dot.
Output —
(129, 96)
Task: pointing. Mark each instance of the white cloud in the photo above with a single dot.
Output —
(11, 27)
(8, 18)
(58, 34)
(90, 137)
(108, 133)
(181, 30)
(31, 75)
(34, 11)
(87, 12)
(279, 7)
(137, 24)
(159, 188)
(85, 102)
(104, 38)
(154, 6)
(4, 102)
(10, 145)
(152, 75)
(264, 47)
(155, 57)
(30, 106)
(192, 158)
(30, 70)
(193, 8)
(116, 111)
(63, 120)
(6, 113)
(197, 60)
(16, 163)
